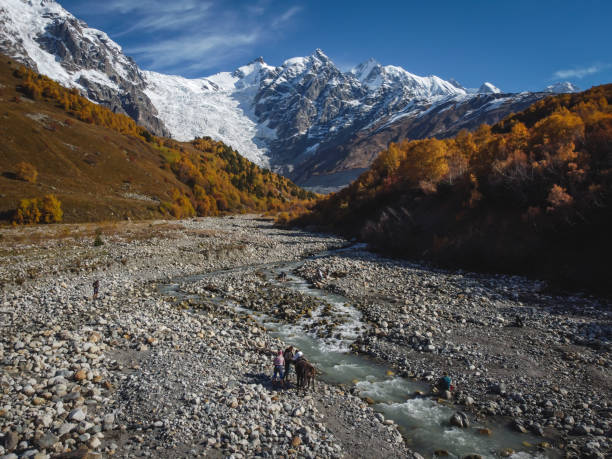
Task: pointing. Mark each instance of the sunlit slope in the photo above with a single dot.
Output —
(101, 165)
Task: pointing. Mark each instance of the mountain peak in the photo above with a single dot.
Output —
(251, 70)
(364, 70)
(488, 88)
(562, 87)
(320, 55)
(456, 84)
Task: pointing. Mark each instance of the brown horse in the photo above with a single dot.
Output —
(305, 374)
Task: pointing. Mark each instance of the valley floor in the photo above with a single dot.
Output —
(139, 373)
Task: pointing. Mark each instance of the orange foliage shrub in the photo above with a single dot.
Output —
(27, 213)
(180, 207)
(558, 197)
(51, 209)
(26, 172)
(282, 218)
(45, 210)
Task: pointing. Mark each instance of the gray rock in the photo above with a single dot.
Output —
(499, 389)
(11, 440)
(460, 419)
(109, 419)
(46, 441)
(66, 428)
(78, 414)
(580, 429)
(519, 427)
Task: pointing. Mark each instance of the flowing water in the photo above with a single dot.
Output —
(423, 421)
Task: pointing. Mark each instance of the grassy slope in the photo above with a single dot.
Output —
(97, 173)
(89, 168)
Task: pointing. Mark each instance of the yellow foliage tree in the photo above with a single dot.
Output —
(425, 160)
(51, 209)
(27, 213)
(34, 210)
(26, 172)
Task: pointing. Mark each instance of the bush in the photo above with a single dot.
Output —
(27, 213)
(26, 172)
(45, 210)
(282, 219)
(98, 241)
(181, 207)
(51, 209)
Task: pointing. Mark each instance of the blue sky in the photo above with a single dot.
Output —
(517, 45)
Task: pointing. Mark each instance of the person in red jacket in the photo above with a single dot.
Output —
(279, 369)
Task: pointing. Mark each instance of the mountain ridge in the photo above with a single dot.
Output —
(294, 118)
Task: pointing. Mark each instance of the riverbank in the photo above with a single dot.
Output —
(141, 373)
(539, 361)
(136, 374)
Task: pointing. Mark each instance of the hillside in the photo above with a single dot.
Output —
(102, 166)
(529, 195)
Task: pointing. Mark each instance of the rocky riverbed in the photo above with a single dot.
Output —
(135, 373)
(542, 362)
(140, 372)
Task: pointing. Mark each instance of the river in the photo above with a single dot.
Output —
(423, 420)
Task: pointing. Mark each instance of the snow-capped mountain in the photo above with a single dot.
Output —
(299, 115)
(488, 88)
(304, 118)
(220, 106)
(379, 78)
(46, 37)
(562, 87)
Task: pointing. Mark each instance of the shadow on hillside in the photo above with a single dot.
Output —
(9, 175)
(6, 215)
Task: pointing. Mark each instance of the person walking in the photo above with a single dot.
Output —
(96, 288)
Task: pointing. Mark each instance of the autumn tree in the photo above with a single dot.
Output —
(424, 160)
(51, 209)
(26, 172)
(558, 197)
(27, 213)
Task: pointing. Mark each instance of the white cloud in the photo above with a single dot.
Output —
(579, 72)
(150, 7)
(155, 15)
(286, 16)
(180, 36)
(193, 52)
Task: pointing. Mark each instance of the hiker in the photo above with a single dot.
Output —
(288, 356)
(96, 288)
(279, 365)
(444, 383)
